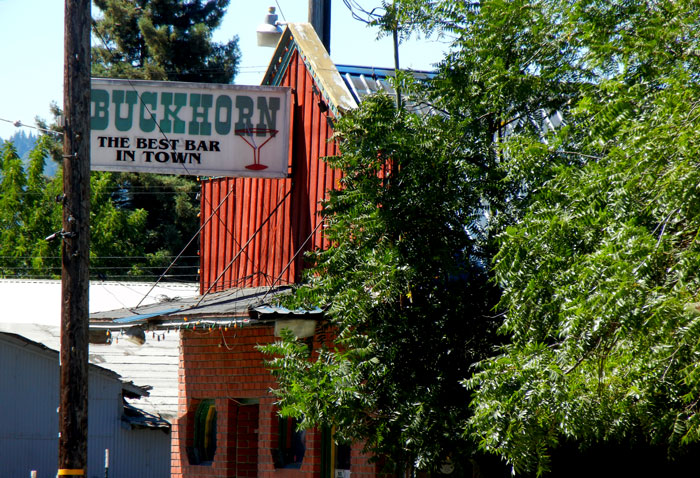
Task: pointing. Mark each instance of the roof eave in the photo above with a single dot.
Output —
(303, 38)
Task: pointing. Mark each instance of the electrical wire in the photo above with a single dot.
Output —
(354, 7)
(20, 124)
(299, 249)
(281, 12)
(204, 223)
(245, 246)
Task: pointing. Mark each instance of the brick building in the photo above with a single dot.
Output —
(224, 370)
(253, 236)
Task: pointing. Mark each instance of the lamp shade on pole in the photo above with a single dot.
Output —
(269, 32)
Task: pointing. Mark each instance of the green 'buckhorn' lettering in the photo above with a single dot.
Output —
(176, 125)
(99, 120)
(200, 114)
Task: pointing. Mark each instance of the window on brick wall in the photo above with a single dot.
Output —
(204, 432)
(291, 446)
(335, 458)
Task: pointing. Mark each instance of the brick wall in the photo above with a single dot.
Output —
(224, 365)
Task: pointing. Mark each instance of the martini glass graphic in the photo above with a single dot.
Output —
(251, 137)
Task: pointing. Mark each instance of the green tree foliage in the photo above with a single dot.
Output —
(163, 40)
(405, 287)
(599, 278)
(406, 280)
(590, 227)
(171, 219)
(41, 214)
(22, 142)
(12, 184)
(30, 212)
(139, 223)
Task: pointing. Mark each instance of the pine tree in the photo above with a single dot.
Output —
(163, 40)
(12, 184)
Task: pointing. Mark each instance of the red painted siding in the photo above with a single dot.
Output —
(258, 235)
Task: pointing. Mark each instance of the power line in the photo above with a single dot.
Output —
(20, 124)
(280, 9)
(100, 257)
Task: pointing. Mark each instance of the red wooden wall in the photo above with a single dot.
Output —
(255, 231)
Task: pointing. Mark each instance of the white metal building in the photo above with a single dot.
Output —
(138, 443)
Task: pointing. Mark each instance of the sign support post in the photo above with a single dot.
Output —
(73, 401)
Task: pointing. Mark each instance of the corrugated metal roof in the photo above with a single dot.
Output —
(137, 418)
(152, 366)
(156, 361)
(20, 304)
(362, 81)
(228, 304)
(129, 387)
(342, 86)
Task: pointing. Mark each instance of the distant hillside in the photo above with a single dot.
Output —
(24, 143)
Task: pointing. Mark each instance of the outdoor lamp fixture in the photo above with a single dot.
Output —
(301, 328)
(136, 335)
(270, 31)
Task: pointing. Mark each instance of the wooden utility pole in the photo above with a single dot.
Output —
(320, 19)
(73, 412)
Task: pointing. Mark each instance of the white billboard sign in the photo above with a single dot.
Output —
(189, 128)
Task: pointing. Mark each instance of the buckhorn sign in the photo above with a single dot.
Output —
(189, 128)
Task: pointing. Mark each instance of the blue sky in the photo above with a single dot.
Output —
(31, 51)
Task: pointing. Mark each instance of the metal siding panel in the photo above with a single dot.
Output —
(29, 422)
(141, 453)
(327, 151)
(229, 208)
(271, 199)
(268, 233)
(269, 255)
(238, 207)
(243, 224)
(226, 238)
(204, 236)
(28, 418)
(301, 220)
(248, 239)
(332, 181)
(217, 236)
(209, 245)
(314, 168)
(291, 79)
(218, 233)
(205, 246)
(262, 206)
(212, 227)
(322, 179)
(257, 219)
(213, 236)
(223, 247)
